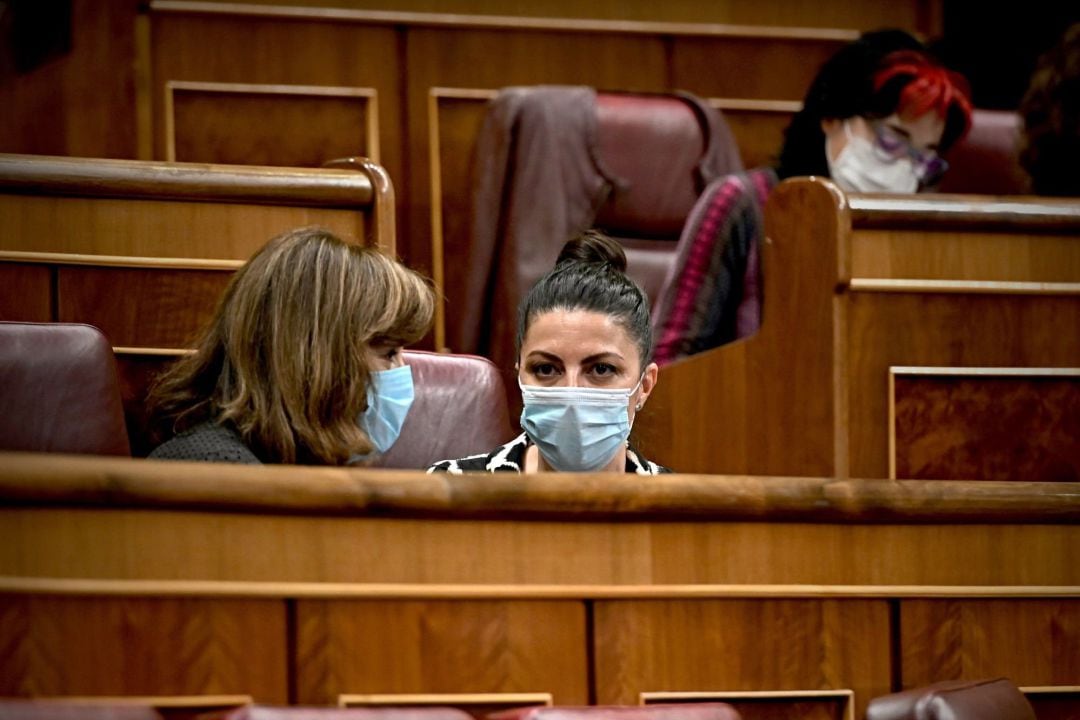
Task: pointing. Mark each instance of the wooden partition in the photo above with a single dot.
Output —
(320, 81)
(800, 597)
(950, 294)
(143, 250)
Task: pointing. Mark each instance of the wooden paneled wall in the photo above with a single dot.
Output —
(862, 290)
(802, 597)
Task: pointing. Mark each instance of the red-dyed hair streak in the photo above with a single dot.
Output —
(930, 86)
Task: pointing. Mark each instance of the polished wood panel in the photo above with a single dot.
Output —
(949, 282)
(1032, 642)
(69, 646)
(758, 127)
(412, 647)
(137, 369)
(940, 330)
(157, 308)
(962, 423)
(82, 102)
(247, 124)
(741, 645)
(28, 292)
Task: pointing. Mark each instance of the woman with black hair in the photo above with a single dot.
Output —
(877, 118)
(585, 369)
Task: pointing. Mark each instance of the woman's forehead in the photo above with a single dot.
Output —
(584, 332)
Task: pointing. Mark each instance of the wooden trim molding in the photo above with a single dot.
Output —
(46, 480)
(967, 211)
(453, 699)
(127, 261)
(371, 95)
(155, 701)
(845, 695)
(79, 587)
(140, 180)
(971, 287)
(498, 22)
(779, 107)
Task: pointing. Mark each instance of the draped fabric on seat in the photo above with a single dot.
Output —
(459, 409)
(675, 711)
(551, 162)
(954, 700)
(59, 390)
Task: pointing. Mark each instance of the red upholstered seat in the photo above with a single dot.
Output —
(987, 161)
(954, 700)
(551, 162)
(678, 711)
(53, 710)
(460, 409)
(59, 390)
(269, 712)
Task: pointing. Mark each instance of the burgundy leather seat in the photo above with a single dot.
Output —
(675, 711)
(51, 710)
(987, 161)
(59, 390)
(269, 712)
(460, 409)
(954, 700)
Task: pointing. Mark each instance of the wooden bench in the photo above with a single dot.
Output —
(143, 250)
(913, 336)
(304, 584)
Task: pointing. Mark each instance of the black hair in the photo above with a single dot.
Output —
(1050, 109)
(590, 274)
(843, 88)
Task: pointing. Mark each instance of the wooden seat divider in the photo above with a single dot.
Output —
(143, 250)
(878, 309)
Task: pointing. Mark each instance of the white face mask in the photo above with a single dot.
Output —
(859, 169)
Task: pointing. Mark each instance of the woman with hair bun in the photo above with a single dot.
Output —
(585, 369)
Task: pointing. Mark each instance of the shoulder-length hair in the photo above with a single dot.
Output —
(285, 359)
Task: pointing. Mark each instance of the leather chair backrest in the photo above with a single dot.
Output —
(987, 161)
(270, 712)
(459, 409)
(551, 162)
(679, 711)
(11, 709)
(954, 700)
(59, 390)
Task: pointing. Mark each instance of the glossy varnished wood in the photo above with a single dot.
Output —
(440, 647)
(741, 645)
(142, 646)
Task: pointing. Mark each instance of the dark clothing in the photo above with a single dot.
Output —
(208, 442)
(511, 458)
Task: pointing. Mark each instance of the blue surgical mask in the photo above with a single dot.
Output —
(576, 428)
(390, 395)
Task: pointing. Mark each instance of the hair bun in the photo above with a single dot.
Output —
(592, 246)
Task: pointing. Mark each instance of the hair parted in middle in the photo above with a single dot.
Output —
(590, 274)
(286, 358)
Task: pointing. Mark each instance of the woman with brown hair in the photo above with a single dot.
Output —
(301, 362)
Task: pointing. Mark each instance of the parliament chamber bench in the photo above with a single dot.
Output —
(795, 596)
(914, 337)
(143, 250)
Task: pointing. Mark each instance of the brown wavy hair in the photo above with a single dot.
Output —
(1050, 143)
(286, 358)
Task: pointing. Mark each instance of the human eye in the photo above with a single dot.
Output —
(604, 370)
(543, 370)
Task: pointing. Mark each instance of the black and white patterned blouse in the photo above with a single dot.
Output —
(511, 457)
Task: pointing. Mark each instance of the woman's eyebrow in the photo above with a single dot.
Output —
(545, 355)
(602, 356)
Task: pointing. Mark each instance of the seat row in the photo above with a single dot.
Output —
(955, 700)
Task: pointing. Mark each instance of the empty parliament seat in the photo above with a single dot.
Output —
(272, 712)
(674, 711)
(59, 391)
(552, 161)
(954, 700)
(987, 161)
(460, 409)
